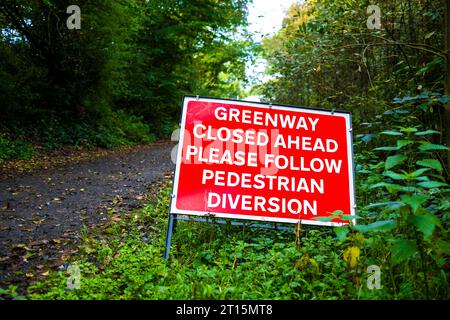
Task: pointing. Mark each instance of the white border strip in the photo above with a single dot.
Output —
(175, 210)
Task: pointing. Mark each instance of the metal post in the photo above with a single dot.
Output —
(169, 236)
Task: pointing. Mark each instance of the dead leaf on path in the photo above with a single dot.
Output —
(56, 241)
(38, 221)
(45, 274)
(29, 275)
(116, 218)
(3, 259)
(20, 246)
(38, 243)
(7, 206)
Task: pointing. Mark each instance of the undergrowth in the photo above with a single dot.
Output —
(403, 213)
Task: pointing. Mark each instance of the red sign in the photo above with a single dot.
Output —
(248, 160)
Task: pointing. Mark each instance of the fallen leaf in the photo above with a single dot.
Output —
(116, 218)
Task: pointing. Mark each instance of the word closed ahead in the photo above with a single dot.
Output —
(247, 160)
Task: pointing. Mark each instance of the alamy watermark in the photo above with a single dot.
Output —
(74, 20)
(374, 20)
(73, 281)
(374, 278)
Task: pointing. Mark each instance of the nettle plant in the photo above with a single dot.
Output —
(403, 199)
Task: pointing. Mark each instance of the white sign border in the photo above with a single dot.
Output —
(347, 117)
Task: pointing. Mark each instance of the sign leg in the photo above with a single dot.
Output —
(169, 236)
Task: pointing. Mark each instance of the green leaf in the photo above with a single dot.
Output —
(380, 185)
(424, 133)
(347, 217)
(392, 133)
(402, 143)
(431, 146)
(391, 204)
(443, 246)
(424, 223)
(431, 163)
(428, 35)
(392, 161)
(341, 233)
(384, 225)
(324, 219)
(414, 201)
(408, 130)
(386, 148)
(402, 250)
(367, 138)
(394, 175)
(444, 99)
(432, 184)
(418, 172)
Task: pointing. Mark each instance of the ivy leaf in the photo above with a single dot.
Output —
(424, 223)
(431, 163)
(402, 250)
(431, 146)
(392, 161)
(414, 201)
(432, 184)
(384, 225)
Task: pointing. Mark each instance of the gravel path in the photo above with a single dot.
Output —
(42, 212)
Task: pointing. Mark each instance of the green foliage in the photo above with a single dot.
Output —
(209, 262)
(325, 56)
(120, 78)
(406, 185)
(14, 149)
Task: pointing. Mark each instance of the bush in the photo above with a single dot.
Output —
(14, 149)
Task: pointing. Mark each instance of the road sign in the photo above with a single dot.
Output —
(255, 161)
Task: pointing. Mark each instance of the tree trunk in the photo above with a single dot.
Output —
(446, 124)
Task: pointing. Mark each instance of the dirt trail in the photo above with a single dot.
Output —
(42, 212)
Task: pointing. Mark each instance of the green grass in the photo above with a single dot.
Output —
(208, 262)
